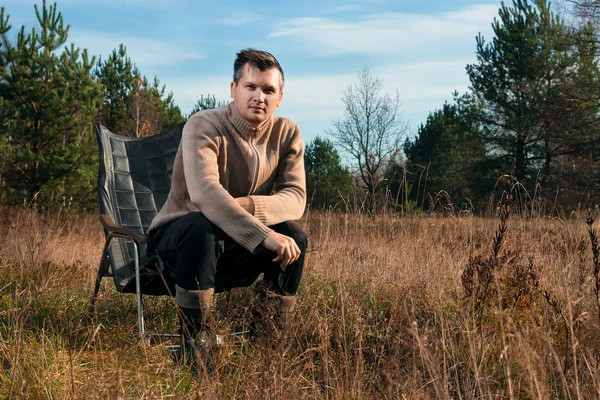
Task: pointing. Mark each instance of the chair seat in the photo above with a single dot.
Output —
(133, 183)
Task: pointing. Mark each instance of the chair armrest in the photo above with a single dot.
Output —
(110, 226)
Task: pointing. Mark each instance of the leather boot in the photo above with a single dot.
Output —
(270, 314)
(195, 309)
(283, 311)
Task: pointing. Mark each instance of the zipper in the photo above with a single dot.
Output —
(257, 168)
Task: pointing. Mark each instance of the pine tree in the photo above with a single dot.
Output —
(576, 125)
(537, 83)
(133, 105)
(206, 103)
(149, 111)
(47, 102)
(447, 155)
(117, 74)
(327, 181)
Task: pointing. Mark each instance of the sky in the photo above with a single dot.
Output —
(418, 48)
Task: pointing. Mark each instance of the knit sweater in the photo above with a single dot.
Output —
(221, 158)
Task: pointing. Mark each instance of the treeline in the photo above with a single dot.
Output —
(531, 115)
(530, 119)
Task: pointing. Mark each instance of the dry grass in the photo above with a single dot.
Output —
(386, 311)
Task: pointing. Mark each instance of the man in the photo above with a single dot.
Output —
(238, 186)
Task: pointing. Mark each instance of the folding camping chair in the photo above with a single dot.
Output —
(133, 183)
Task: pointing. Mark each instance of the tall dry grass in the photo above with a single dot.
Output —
(390, 307)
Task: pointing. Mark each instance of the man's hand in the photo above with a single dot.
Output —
(284, 246)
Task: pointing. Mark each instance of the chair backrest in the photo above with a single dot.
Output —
(133, 183)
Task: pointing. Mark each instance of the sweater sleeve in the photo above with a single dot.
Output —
(289, 200)
(200, 148)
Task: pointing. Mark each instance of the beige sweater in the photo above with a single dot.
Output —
(221, 158)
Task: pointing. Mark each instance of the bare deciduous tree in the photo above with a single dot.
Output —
(580, 14)
(370, 132)
(588, 10)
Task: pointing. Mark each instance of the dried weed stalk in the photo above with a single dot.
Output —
(479, 274)
(595, 258)
(554, 303)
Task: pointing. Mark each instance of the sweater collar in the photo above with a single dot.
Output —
(242, 125)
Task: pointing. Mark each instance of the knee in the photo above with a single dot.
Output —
(301, 240)
(195, 229)
(295, 231)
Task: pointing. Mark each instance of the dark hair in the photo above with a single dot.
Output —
(262, 60)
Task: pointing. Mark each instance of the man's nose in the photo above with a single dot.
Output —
(260, 96)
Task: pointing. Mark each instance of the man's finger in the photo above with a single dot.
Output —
(296, 252)
(292, 256)
(286, 258)
(279, 255)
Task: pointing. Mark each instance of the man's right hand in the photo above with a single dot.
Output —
(284, 246)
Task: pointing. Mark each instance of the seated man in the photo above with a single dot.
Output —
(238, 188)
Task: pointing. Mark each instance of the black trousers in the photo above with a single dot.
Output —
(202, 256)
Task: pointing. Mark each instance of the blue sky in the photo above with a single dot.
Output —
(419, 48)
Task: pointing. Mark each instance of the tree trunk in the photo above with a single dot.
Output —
(547, 161)
(370, 198)
(520, 158)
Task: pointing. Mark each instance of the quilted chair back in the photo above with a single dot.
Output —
(133, 183)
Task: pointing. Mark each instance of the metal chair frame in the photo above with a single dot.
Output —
(105, 267)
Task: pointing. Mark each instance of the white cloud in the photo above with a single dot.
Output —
(346, 7)
(187, 91)
(160, 4)
(425, 81)
(315, 101)
(387, 33)
(144, 52)
(239, 19)
(422, 87)
(476, 13)
(143, 3)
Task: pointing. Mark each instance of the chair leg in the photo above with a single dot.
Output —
(102, 272)
(138, 292)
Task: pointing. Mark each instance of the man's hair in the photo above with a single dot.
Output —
(262, 60)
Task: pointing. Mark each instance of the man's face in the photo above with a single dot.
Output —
(257, 94)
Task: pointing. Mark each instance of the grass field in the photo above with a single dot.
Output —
(413, 307)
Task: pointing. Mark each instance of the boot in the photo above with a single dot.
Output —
(270, 314)
(284, 309)
(195, 308)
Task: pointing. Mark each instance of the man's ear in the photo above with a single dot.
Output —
(232, 89)
(280, 97)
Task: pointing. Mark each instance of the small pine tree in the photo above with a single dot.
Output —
(447, 155)
(117, 74)
(206, 103)
(48, 100)
(133, 105)
(327, 181)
